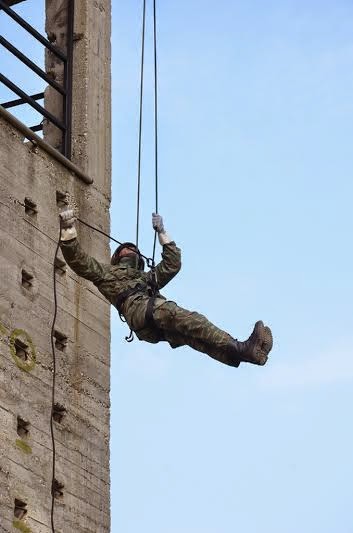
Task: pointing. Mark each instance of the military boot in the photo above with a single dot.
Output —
(255, 350)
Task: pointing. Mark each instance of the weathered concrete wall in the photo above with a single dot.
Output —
(56, 28)
(91, 83)
(27, 245)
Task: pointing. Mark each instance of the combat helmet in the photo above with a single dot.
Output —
(116, 259)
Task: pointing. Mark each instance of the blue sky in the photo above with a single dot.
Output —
(256, 124)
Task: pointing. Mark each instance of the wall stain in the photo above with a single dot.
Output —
(3, 331)
(21, 526)
(22, 445)
(30, 363)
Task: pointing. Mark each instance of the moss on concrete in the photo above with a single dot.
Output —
(23, 446)
(3, 331)
(28, 365)
(18, 524)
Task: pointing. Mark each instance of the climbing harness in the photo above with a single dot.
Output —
(149, 320)
(147, 288)
(151, 287)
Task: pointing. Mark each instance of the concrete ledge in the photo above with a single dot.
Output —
(29, 134)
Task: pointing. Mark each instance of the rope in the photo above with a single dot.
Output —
(140, 123)
(155, 119)
(150, 262)
(148, 259)
(53, 387)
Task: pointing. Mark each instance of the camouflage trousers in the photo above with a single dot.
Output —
(180, 327)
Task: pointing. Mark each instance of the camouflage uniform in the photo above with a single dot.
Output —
(173, 324)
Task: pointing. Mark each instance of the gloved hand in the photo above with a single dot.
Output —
(158, 226)
(68, 230)
(157, 223)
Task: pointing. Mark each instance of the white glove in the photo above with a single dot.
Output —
(68, 230)
(158, 226)
(157, 223)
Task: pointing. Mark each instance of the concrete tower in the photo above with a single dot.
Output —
(35, 179)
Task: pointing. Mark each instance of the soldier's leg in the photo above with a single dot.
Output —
(176, 340)
(199, 333)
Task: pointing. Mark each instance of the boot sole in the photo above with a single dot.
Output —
(268, 341)
(264, 343)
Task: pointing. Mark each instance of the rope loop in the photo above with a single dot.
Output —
(130, 338)
(150, 263)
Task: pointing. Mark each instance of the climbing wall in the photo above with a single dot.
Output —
(33, 189)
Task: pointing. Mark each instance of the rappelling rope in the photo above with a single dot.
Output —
(140, 123)
(141, 117)
(149, 262)
(155, 118)
(53, 387)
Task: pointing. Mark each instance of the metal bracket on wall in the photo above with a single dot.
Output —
(65, 90)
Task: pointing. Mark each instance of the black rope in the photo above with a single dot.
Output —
(140, 123)
(155, 119)
(150, 263)
(53, 387)
(149, 260)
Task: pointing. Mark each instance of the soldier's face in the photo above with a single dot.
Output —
(127, 252)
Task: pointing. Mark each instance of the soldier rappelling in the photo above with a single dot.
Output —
(135, 294)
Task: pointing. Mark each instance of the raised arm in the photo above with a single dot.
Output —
(83, 264)
(171, 254)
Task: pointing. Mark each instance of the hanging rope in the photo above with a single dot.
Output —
(155, 118)
(53, 387)
(148, 259)
(140, 123)
(149, 262)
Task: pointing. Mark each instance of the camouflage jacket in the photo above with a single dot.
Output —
(112, 280)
